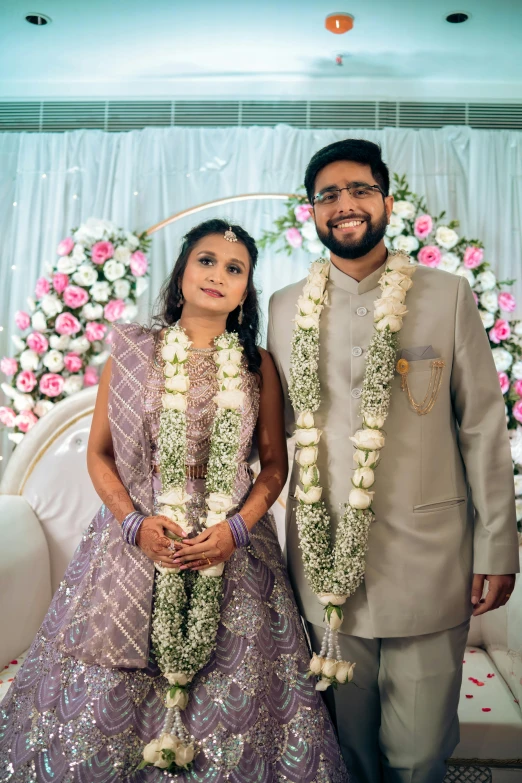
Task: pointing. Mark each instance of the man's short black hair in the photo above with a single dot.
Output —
(356, 150)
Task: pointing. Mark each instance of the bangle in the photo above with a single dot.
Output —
(239, 530)
(130, 526)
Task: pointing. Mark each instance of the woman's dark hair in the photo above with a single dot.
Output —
(168, 309)
(356, 150)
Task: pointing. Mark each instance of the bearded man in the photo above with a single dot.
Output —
(444, 509)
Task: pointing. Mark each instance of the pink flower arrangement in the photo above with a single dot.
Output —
(101, 252)
(473, 257)
(429, 255)
(66, 323)
(8, 366)
(22, 320)
(423, 227)
(95, 331)
(500, 331)
(75, 297)
(25, 421)
(42, 287)
(26, 381)
(294, 237)
(139, 264)
(302, 212)
(504, 382)
(507, 302)
(36, 341)
(65, 246)
(90, 377)
(7, 416)
(51, 384)
(73, 362)
(517, 410)
(114, 310)
(60, 282)
(517, 386)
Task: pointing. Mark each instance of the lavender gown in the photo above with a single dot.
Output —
(254, 715)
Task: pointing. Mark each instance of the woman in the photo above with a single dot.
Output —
(222, 691)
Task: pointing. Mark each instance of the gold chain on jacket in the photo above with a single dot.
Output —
(437, 365)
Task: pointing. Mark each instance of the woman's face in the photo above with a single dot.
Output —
(216, 276)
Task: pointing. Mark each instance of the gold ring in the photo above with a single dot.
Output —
(205, 555)
(209, 561)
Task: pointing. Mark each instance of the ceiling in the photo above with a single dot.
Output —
(398, 50)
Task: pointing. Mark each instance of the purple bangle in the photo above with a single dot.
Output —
(239, 530)
(130, 526)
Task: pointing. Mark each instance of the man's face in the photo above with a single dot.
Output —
(351, 227)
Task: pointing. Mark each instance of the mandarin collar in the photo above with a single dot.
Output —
(347, 283)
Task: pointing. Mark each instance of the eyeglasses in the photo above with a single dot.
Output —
(357, 190)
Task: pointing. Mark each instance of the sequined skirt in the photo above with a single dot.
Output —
(254, 715)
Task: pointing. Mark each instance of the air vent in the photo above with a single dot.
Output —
(56, 116)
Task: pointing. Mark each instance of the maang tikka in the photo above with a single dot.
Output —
(230, 236)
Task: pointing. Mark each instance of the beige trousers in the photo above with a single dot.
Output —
(397, 720)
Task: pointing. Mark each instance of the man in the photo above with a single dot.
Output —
(444, 497)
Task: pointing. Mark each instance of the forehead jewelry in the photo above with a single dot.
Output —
(230, 236)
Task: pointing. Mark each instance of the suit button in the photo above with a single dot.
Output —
(357, 351)
(362, 311)
(356, 393)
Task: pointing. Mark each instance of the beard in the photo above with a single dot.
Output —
(350, 248)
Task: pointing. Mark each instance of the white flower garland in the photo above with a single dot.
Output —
(335, 572)
(187, 605)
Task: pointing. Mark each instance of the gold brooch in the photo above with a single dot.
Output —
(437, 365)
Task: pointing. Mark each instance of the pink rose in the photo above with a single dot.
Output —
(506, 302)
(66, 323)
(473, 257)
(429, 255)
(114, 309)
(504, 382)
(517, 410)
(90, 377)
(110, 337)
(42, 287)
(75, 297)
(73, 362)
(95, 331)
(138, 263)
(60, 282)
(7, 416)
(25, 421)
(101, 251)
(500, 331)
(26, 381)
(294, 237)
(37, 342)
(423, 226)
(22, 319)
(517, 386)
(65, 246)
(51, 384)
(475, 297)
(303, 212)
(8, 366)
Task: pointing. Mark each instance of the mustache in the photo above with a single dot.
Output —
(333, 223)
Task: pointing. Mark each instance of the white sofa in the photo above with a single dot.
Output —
(47, 500)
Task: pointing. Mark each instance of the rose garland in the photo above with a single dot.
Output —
(187, 605)
(334, 573)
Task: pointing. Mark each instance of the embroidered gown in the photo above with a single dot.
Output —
(254, 715)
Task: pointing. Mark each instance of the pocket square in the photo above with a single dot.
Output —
(418, 353)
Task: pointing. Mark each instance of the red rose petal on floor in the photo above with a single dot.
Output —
(11, 679)
(480, 684)
(473, 651)
(473, 679)
(469, 696)
(14, 661)
(486, 709)
(490, 676)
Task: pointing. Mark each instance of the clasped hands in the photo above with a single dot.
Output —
(500, 588)
(216, 544)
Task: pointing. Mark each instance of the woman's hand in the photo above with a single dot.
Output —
(152, 540)
(215, 544)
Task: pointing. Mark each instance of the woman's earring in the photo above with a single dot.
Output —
(240, 316)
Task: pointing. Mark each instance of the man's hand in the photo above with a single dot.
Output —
(499, 590)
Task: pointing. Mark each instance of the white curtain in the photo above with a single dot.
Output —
(49, 183)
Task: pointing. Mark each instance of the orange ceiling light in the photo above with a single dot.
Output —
(338, 23)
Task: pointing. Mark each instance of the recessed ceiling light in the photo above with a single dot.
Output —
(38, 19)
(338, 23)
(457, 18)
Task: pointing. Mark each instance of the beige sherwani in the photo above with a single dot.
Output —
(444, 494)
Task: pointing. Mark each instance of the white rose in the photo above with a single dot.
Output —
(400, 262)
(175, 514)
(132, 241)
(78, 253)
(397, 278)
(489, 301)
(79, 345)
(463, 271)
(518, 484)
(488, 319)
(214, 518)
(368, 439)
(364, 477)
(218, 501)
(92, 312)
(366, 458)
(392, 322)
(312, 495)
(85, 275)
(485, 281)
(323, 684)
(29, 360)
(306, 306)
(329, 667)
(184, 755)
(518, 502)
(307, 321)
(502, 358)
(309, 476)
(344, 672)
(23, 402)
(130, 312)
(170, 370)
(405, 244)
(320, 269)
(374, 422)
(213, 570)
(73, 384)
(517, 328)
(305, 419)
(331, 598)
(18, 343)
(179, 383)
(60, 342)
(66, 265)
(101, 291)
(162, 763)
(388, 307)
(53, 360)
(177, 678)
(449, 262)
(16, 437)
(113, 270)
(38, 321)
(180, 699)
(307, 456)
(169, 742)
(316, 664)
(314, 246)
(174, 336)
(151, 752)
(446, 237)
(309, 231)
(395, 226)
(515, 442)
(141, 286)
(308, 437)
(228, 370)
(174, 353)
(230, 400)
(51, 305)
(517, 369)
(231, 384)
(42, 407)
(393, 292)
(31, 304)
(224, 356)
(174, 402)
(360, 498)
(121, 289)
(8, 390)
(335, 621)
(122, 254)
(404, 209)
